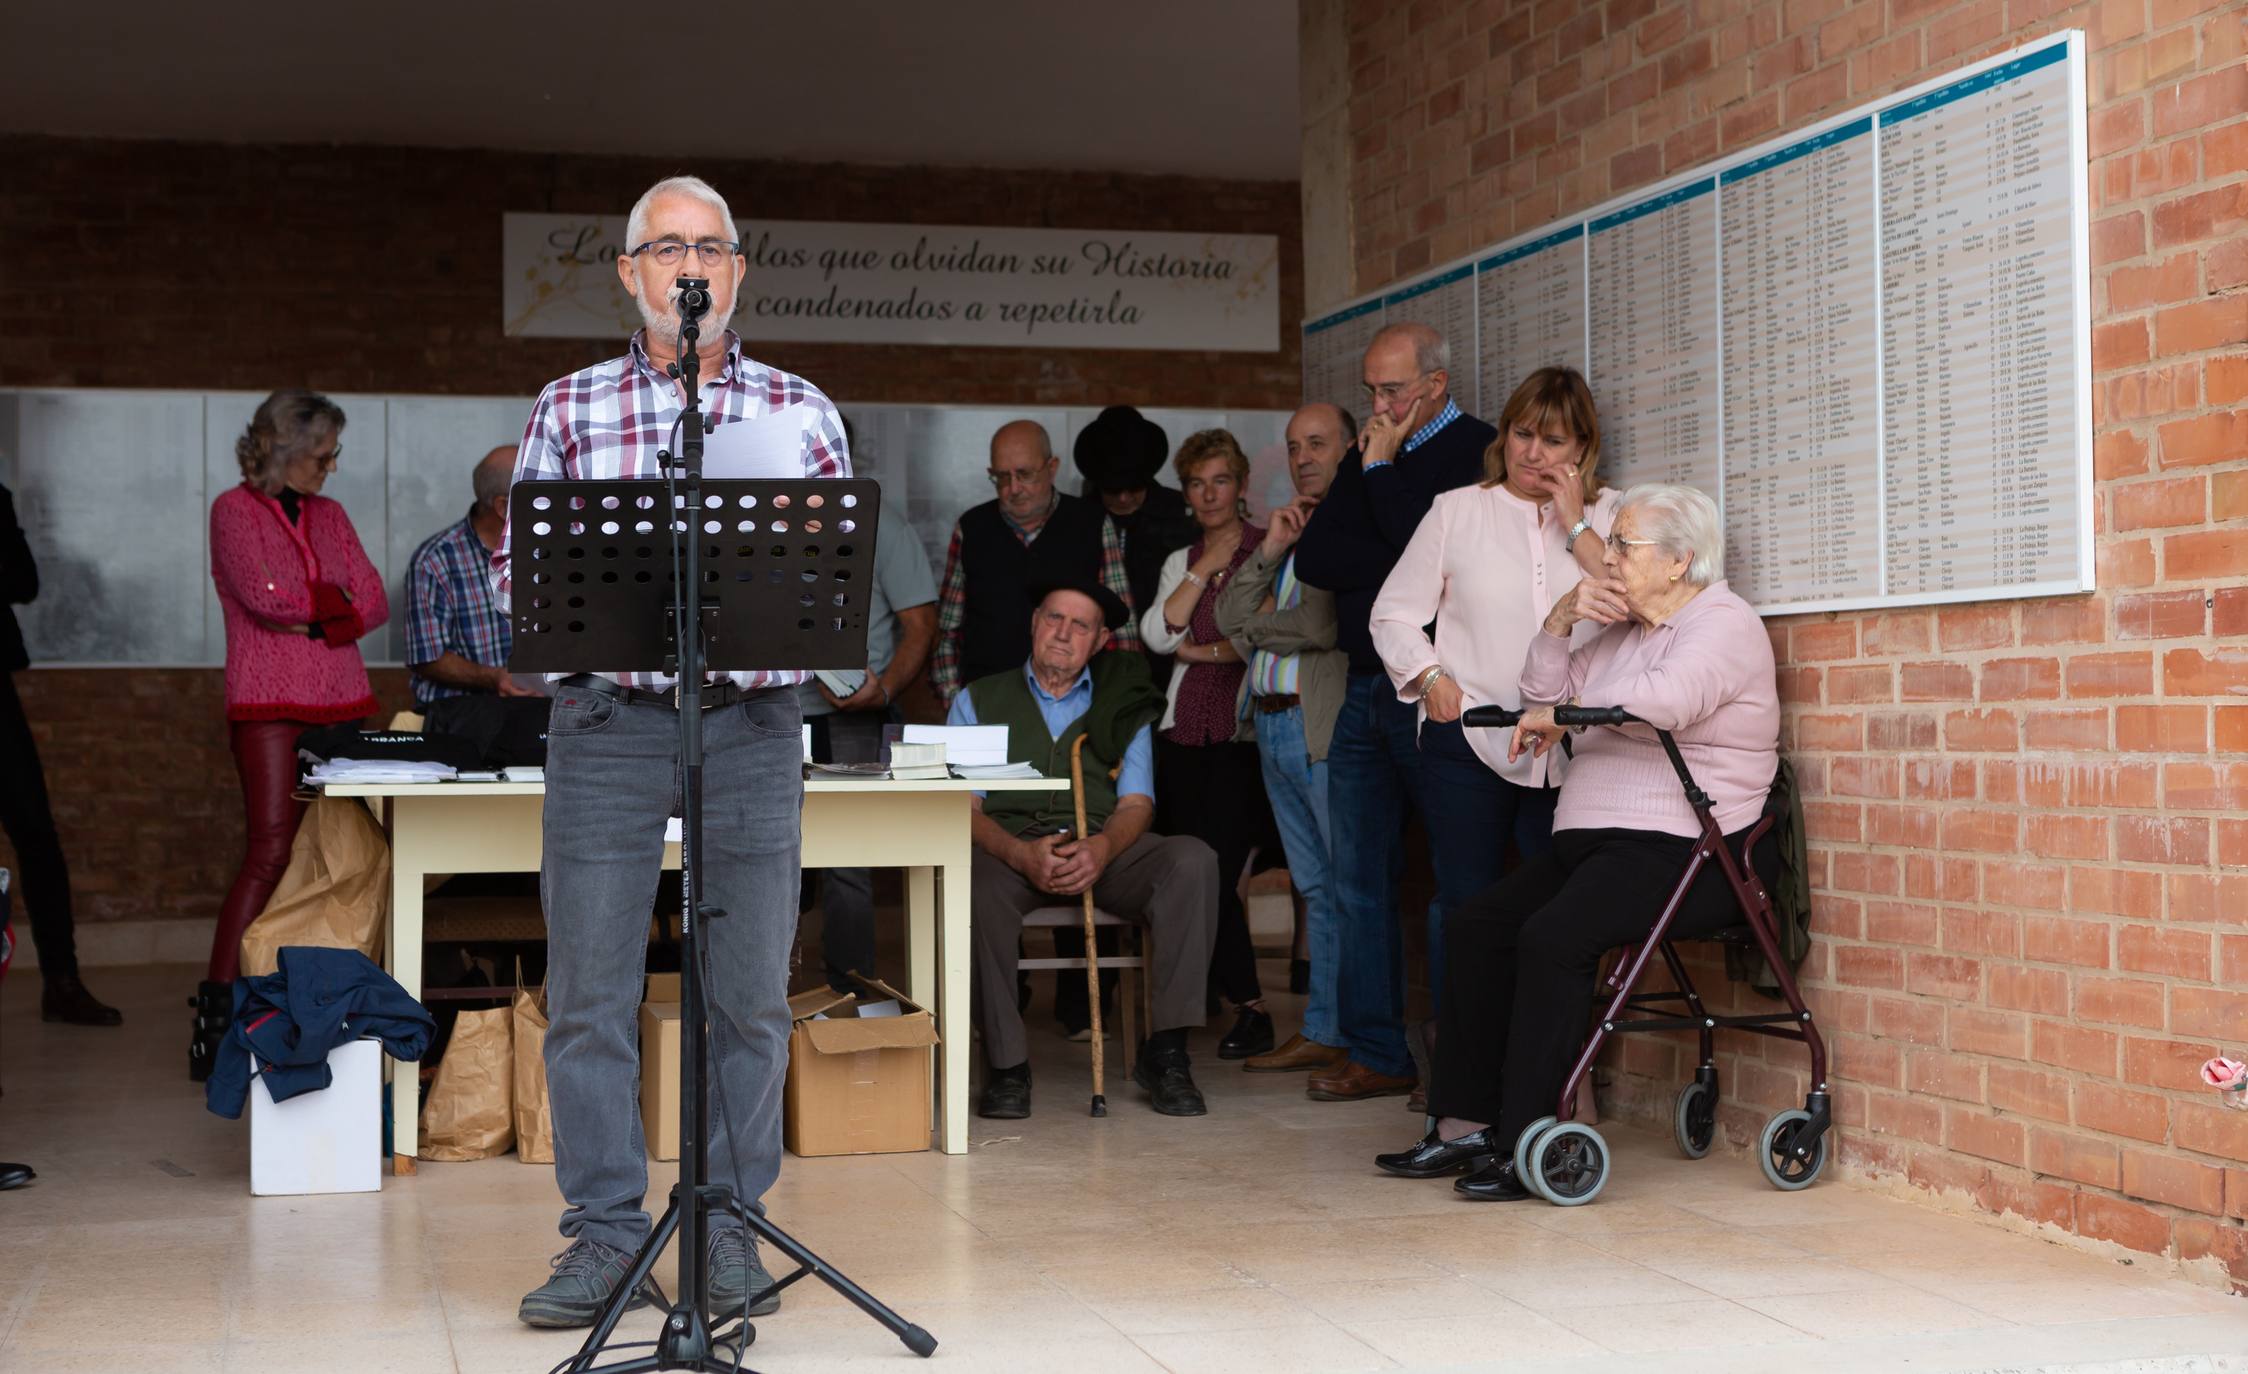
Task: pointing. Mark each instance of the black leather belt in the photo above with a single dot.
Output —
(714, 694)
(1277, 702)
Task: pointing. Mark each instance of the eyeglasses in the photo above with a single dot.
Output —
(1620, 544)
(327, 461)
(1003, 480)
(1390, 391)
(711, 252)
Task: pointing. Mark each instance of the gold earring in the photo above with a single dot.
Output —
(1674, 577)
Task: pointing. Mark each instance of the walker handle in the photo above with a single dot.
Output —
(1486, 717)
(1593, 715)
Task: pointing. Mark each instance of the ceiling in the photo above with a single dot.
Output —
(1155, 86)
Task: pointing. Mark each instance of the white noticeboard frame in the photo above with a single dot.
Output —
(2066, 470)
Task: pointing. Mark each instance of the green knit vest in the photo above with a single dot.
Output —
(1120, 688)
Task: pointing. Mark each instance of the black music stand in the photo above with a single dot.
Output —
(759, 573)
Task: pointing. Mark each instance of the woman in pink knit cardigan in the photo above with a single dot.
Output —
(298, 593)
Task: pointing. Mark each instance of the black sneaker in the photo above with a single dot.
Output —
(1251, 1035)
(585, 1276)
(1006, 1094)
(735, 1273)
(1169, 1083)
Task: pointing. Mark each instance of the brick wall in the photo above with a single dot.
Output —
(2029, 841)
(377, 269)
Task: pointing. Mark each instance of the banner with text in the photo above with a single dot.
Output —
(924, 284)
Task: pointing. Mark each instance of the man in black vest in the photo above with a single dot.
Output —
(1416, 444)
(1029, 536)
(1027, 857)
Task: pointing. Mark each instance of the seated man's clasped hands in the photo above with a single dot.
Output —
(1028, 854)
(1687, 656)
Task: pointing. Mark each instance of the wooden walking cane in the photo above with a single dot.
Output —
(1092, 948)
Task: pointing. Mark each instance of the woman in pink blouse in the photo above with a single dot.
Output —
(1691, 658)
(1208, 781)
(298, 593)
(1484, 565)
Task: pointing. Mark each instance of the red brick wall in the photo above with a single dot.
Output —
(377, 269)
(2029, 843)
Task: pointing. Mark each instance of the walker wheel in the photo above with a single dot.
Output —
(1571, 1164)
(1693, 1122)
(1785, 1167)
(1522, 1144)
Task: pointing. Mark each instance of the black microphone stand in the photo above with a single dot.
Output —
(687, 1341)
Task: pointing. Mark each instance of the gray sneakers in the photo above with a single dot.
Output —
(585, 1275)
(734, 1272)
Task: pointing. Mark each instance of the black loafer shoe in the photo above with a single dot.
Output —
(1433, 1158)
(15, 1176)
(1492, 1183)
(1169, 1083)
(1006, 1094)
(1251, 1035)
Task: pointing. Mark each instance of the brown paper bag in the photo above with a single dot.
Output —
(335, 892)
(471, 1110)
(534, 1110)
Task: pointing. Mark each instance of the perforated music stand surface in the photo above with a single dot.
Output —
(787, 568)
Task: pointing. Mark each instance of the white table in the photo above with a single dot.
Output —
(922, 827)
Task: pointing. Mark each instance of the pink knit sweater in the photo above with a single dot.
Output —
(1706, 675)
(264, 568)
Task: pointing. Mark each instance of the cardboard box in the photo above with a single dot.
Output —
(329, 1141)
(659, 1078)
(857, 1085)
(663, 987)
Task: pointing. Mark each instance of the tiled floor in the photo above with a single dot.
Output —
(1257, 1238)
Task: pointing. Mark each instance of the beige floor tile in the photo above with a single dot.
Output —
(1308, 1348)
(1258, 1238)
(1891, 1311)
(1652, 1328)
(1510, 1337)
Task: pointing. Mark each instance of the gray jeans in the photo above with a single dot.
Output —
(612, 780)
(1168, 883)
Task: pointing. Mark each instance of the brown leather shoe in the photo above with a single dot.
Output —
(1353, 1082)
(1296, 1055)
(1417, 1101)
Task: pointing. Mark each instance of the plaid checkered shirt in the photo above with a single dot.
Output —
(610, 420)
(449, 607)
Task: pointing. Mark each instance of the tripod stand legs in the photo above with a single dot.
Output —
(687, 1341)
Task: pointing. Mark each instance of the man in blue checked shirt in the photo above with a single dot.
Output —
(457, 634)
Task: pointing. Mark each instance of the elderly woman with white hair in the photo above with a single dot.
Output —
(1692, 658)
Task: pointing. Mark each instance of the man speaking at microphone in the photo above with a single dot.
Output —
(612, 781)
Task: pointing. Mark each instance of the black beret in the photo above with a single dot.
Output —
(1113, 610)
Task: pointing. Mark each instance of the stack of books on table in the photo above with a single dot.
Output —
(917, 762)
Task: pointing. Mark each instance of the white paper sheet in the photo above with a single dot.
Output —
(768, 446)
(971, 744)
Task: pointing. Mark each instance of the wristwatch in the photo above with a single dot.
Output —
(1578, 529)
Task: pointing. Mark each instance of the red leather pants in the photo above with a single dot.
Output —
(265, 754)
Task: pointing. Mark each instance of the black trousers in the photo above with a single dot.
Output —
(1522, 958)
(1215, 792)
(42, 876)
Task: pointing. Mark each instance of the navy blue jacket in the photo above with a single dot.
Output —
(290, 1019)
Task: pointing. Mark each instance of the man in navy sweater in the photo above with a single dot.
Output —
(1416, 444)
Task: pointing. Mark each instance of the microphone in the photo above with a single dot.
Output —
(694, 298)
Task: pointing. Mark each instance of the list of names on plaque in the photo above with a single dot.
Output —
(1530, 313)
(1802, 381)
(1334, 348)
(1977, 364)
(1867, 341)
(1446, 304)
(1653, 291)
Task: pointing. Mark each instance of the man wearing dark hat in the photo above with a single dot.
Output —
(1027, 856)
(1029, 536)
(1119, 455)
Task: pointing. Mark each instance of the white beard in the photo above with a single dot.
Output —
(663, 324)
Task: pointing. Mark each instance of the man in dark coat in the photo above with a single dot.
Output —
(24, 813)
(1119, 455)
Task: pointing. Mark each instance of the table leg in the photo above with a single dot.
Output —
(404, 947)
(921, 935)
(954, 951)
